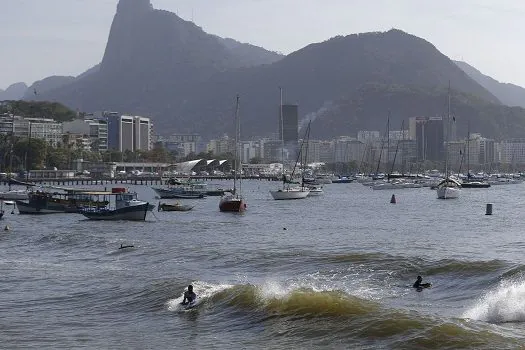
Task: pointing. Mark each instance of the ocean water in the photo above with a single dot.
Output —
(334, 271)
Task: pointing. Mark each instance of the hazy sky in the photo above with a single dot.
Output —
(39, 38)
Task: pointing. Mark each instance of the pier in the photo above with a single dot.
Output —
(130, 180)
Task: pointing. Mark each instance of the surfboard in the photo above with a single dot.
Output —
(189, 306)
(423, 285)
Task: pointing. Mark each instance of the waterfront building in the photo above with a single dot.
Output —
(129, 133)
(221, 146)
(272, 151)
(95, 130)
(40, 128)
(348, 150)
(251, 149)
(429, 134)
(512, 152)
(142, 134)
(183, 144)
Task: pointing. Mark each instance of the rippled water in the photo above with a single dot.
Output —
(332, 271)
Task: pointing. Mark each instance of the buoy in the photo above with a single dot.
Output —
(488, 211)
(393, 199)
(284, 228)
(7, 228)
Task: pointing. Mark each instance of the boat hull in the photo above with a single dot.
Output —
(475, 184)
(43, 208)
(131, 213)
(289, 194)
(174, 207)
(448, 192)
(174, 193)
(14, 195)
(232, 204)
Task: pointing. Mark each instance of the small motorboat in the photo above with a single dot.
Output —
(174, 207)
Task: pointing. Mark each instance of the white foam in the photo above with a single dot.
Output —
(505, 304)
(204, 290)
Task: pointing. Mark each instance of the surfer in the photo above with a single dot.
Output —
(126, 246)
(189, 296)
(419, 285)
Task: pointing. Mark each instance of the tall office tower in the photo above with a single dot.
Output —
(430, 137)
(142, 129)
(120, 132)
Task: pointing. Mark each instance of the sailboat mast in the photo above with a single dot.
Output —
(238, 157)
(468, 150)
(282, 130)
(448, 132)
(388, 145)
(235, 161)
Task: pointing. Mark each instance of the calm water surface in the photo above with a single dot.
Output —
(333, 271)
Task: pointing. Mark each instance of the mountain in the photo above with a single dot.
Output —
(364, 109)
(13, 92)
(45, 85)
(509, 94)
(153, 62)
(318, 74)
(160, 65)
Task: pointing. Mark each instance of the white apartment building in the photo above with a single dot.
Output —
(348, 149)
(40, 128)
(96, 130)
(512, 151)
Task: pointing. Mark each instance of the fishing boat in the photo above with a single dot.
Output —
(233, 201)
(448, 188)
(66, 201)
(123, 205)
(287, 192)
(174, 207)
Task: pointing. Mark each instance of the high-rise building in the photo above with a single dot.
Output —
(429, 136)
(142, 138)
(129, 132)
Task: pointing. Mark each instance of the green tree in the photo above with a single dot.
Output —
(32, 151)
(256, 160)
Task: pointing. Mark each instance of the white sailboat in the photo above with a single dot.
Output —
(287, 192)
(449, 188)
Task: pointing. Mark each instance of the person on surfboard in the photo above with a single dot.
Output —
(419, 285)
(189, 296)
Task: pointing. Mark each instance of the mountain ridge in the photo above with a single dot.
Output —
(159, 65)
(509, 94)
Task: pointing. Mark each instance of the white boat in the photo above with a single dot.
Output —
(449, 188)
(126, 207)
(287, 192)
(290, 193)
(315, 191)
(14, 195)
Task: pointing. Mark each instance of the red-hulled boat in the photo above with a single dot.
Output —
(233, 201)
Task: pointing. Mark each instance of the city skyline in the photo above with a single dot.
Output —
(70, 36)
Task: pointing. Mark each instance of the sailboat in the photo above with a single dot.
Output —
(233, 201)
(287, 192)
(448, 188)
